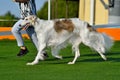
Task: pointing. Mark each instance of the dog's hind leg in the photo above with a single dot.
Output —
(77, 54)
(101, 54)
(55, 52)
(75, 42)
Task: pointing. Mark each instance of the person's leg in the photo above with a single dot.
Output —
(31, 33)
(16, 32)
(33, 37)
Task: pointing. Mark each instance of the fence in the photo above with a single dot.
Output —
(5, 33)
(112, 30)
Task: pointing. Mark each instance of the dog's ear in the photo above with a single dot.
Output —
(90, 27)
(34, 17)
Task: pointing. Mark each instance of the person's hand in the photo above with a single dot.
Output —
(13, 0)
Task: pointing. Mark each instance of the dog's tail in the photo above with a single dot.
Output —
(100, 42)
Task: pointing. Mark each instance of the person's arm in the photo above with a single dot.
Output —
(33, 7)
(21, 1)
(111, 3)
(106, 6)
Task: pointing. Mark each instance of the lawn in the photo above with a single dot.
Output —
(89, 66)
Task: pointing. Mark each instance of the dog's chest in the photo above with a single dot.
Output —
(57, 39)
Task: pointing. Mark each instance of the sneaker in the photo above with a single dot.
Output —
(45, 55)
(22, 52)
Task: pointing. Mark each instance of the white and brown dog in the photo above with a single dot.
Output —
(58, 33)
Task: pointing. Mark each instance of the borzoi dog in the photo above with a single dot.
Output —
(58, 33)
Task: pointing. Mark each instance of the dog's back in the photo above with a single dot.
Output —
(65, 24)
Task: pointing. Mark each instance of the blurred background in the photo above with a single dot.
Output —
(102, 14)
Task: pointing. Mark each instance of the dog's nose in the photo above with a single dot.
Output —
(20, 25)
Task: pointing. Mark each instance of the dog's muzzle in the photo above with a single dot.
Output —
(24, 27)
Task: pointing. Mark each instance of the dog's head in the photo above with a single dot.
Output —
(28, 21)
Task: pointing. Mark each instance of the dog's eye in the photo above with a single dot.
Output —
(26, 19)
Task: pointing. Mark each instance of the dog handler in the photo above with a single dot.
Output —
(27, 7)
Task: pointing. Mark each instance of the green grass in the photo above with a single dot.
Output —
(89, 66)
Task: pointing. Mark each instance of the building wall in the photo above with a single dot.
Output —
(114, 13)
(100, 13)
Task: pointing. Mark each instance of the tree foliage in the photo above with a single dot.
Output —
(58, 9)
(7, 20)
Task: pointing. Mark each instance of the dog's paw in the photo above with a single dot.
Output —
(70, 62)
(58, 57)
(103, 57)
(32, 63)
(29, 64)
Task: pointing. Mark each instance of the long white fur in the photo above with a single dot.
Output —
(47, 36)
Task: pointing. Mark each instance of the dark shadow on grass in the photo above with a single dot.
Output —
(90, 54)
(65, 60)
(113, 56)
(90, 59)
(113, 59)
(94, 60)
(113, 53)
(54, 59)
(3, 58)
(96, 54)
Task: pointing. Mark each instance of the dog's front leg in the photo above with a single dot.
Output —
(39, 56)
(76, 40)
(36, 60)
(77, 54)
